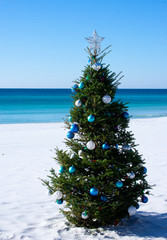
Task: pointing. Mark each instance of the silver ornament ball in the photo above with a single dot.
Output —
(78, 103)
(58, 194)
(106, 99)
(84, 215)
(131, 175)
(90, 145)
(96, 66)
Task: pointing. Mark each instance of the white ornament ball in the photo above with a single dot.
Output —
(58, 195)
(132, 210)
(96, 66)
(106, 99)
(78, 103)
(84, 215)
(80, 153)
(90, 145)
(131, 175)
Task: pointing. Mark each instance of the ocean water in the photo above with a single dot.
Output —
(53, 105)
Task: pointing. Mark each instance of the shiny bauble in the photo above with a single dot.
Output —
(90, 145)
(72, 169)
(144, 170)
(75, 86)
(81, 85)
(105, 146)
(91, 118)
(144, 199)
(96, 66)
(73, 89)
(119, 184)
(70, 119)
(84, 215)
(70, 135)
(94, 191)
(106, 99)
(132, 210)
(125, 114)
(50, 192)
(131, 175)
(74, 128)
(103, 198)
(58, 194)
(126, 147)
(59, 201)
(62, 169)
(78, 103)
(137, 206)
(88, 77)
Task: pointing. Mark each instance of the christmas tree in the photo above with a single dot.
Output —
(102, 176)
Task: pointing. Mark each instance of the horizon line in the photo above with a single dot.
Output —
(70, 88)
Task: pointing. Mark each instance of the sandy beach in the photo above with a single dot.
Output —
(27, 212)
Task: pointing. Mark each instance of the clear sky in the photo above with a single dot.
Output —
(42, 41)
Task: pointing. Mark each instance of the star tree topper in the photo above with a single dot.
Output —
(94, 43)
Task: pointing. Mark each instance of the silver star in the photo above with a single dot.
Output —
(94, 42)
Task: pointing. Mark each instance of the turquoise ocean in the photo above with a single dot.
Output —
(53, 105)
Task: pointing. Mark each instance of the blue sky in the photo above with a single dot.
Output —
(42, 41)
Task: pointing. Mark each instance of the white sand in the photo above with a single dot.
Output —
(27, 212)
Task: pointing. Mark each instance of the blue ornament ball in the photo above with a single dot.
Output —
(126, 147)
(144, 199)
(74, 128)
(70, 119)
(72, 169)
(81, 85)
(137, 206)
(105, 146)
(50, 192)
(116, 145)
(103, 198)
(119, 184)
(144, 170)
(73, 89)
(125, 114)
(59, 201)
(62, 169)
(94, 191)
(75, 86)
(70, 135)
(91, 118)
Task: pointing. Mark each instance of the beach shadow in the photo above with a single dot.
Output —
(144, 225)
